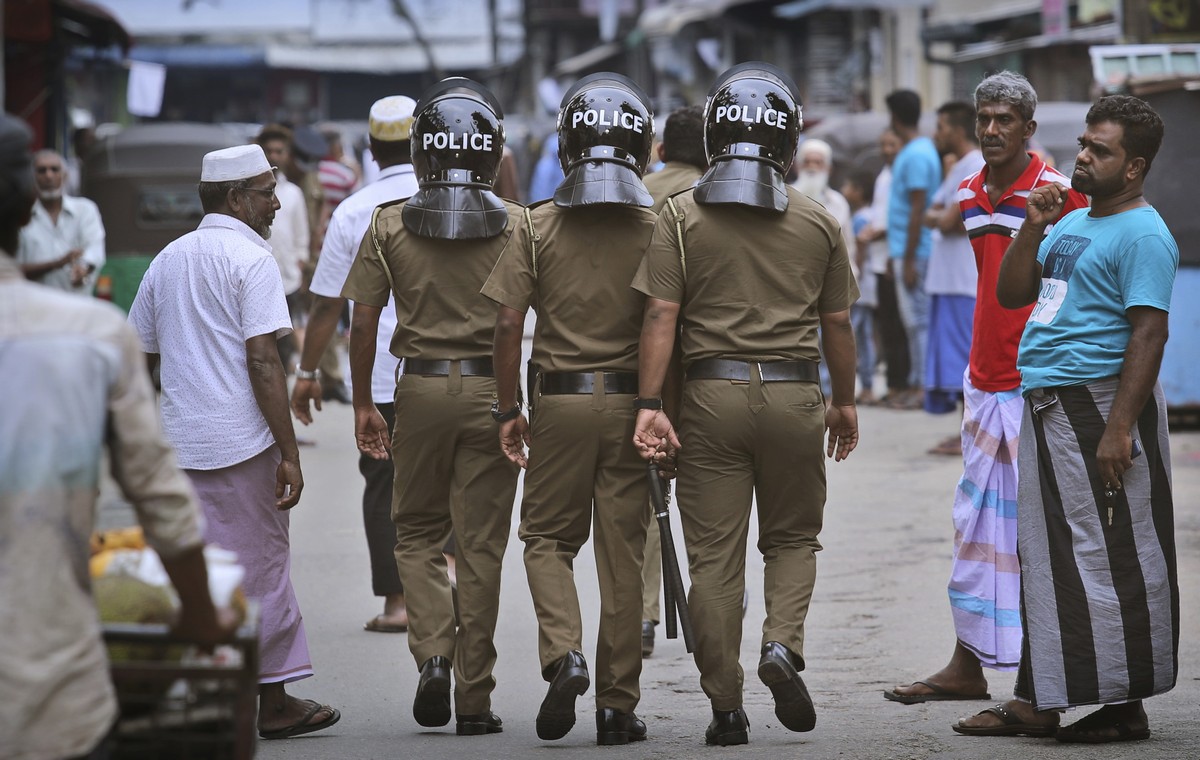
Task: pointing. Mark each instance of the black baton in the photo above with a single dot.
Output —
(674, 597)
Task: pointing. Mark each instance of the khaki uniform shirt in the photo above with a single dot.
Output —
(440, 313)
(755, 282)
(588, 316)
(674, 177)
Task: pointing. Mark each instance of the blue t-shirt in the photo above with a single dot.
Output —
(917, 167)
(1093, 269)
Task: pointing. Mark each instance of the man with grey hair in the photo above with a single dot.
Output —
(985, 581)
(815, 157)
(212, 307)
(63, 244)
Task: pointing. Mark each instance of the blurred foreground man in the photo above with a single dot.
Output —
(73, 375)
(389, 125)
(63, 244)
(750, 268)
(212, 307)
(572, 261)
(1095, 516)
(432, 253)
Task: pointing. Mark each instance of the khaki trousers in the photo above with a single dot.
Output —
(741, 441)
(584, 470)
(450, 473)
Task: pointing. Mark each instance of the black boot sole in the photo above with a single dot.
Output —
(477, 729)
(728, 739)
(431, 708)
(793, 706)
(556, 717)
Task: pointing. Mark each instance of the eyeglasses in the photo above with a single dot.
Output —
(269, 193)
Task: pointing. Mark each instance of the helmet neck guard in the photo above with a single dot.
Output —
(590, 183)
(455, 212)
(743, 181)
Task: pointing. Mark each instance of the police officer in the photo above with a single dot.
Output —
(433, 252)
(749, 267)
(572, 260)
(682, 151)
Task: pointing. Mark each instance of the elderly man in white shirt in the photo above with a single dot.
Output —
(210, 309)
(388, 126)
(63, 244)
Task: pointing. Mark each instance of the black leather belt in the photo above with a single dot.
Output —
(562, 383)
(481, 367)
(799, 371)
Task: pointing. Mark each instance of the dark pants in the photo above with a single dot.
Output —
(377, 515)
(892, 335)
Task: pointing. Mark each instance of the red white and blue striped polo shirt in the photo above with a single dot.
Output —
(997, 331)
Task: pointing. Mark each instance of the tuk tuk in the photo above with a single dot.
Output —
(144, 180)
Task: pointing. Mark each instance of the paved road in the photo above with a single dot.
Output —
(879, 616)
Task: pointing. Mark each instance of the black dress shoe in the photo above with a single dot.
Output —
(477, 725)
(647, 638)
(431, 706)
(616, 727)
(778, 670)
(335, 391)
(568, 679)
(728, 727)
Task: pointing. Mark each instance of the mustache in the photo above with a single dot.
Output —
(993, 142)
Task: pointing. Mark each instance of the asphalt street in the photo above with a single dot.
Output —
(879, 617)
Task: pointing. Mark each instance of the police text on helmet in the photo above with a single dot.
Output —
(601, 118)
(452, 141)
(758, 115)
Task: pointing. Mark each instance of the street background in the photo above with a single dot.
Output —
(879, 617)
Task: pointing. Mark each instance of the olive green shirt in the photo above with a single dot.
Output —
(588, 316)
(674, 177)
(755, 281)
(439, 311)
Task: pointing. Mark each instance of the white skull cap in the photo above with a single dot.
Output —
(230, 164)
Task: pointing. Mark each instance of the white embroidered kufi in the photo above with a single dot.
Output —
(230, 164)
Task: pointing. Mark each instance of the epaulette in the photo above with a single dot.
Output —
(375, 238)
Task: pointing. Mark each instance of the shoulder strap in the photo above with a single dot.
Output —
(379, 248)
(678, 234)
(533, 241)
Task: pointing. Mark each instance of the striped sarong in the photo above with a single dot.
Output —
(238, 503)
(1100, 597)
(985, 581)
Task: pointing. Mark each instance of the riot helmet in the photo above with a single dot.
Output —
(752, 123)
(605, 132)
(457, 143)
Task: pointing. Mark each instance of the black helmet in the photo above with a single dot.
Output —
(752, 123)
(605, 132)
(457, 144)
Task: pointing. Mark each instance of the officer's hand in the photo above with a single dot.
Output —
(1044, 205)
(370, 432)
(842, 423)
(514, 437)
(289, 482)
(303, 392)
(654, 435)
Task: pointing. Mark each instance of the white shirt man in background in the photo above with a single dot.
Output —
(63, 244)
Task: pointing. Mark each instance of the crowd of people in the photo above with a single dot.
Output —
(710, 318)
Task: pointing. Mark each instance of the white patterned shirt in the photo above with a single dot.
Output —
(351, 220)
(202, 298)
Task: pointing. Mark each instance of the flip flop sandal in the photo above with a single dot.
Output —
(303, 726)
(940, 694)
(1011, 725)
(377, 625)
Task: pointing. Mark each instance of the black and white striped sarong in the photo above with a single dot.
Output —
(1100, 601)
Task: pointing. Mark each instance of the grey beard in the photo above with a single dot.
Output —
(51, 195)
(813, 184)
(258, 224)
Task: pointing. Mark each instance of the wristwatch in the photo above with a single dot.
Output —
(647, 403)
(500, 416)
(307, 374)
